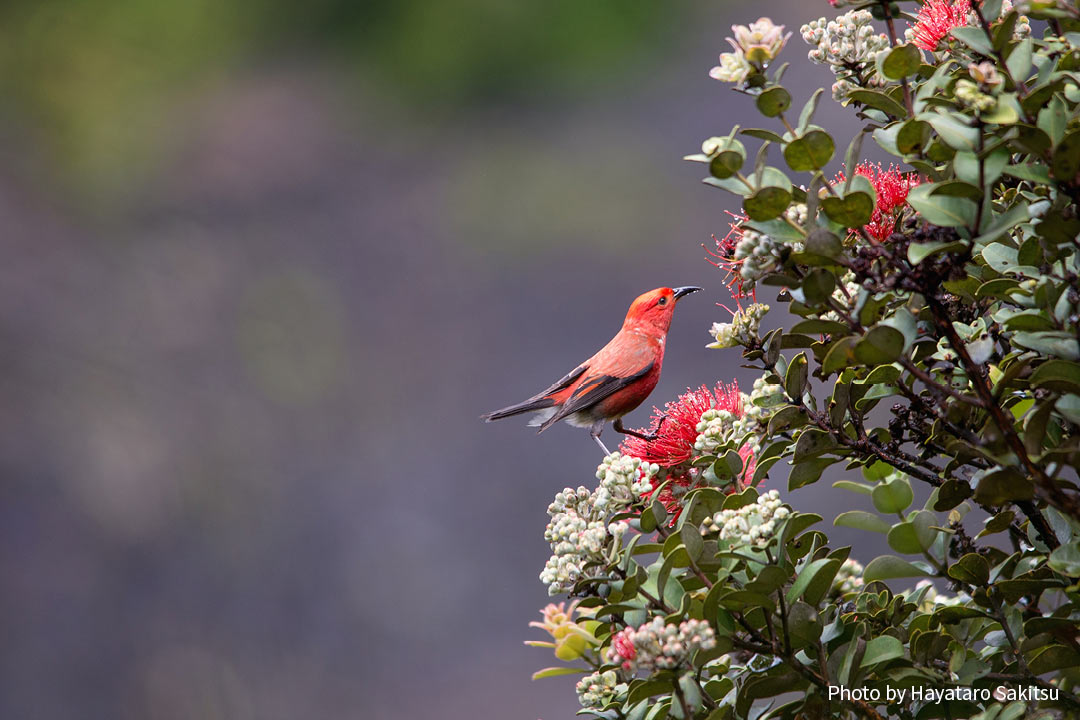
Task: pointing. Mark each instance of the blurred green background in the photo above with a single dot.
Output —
(264, 264)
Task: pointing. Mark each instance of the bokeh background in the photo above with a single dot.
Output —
(264, 263)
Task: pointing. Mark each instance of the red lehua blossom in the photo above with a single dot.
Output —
(677, 425)
(892, 188)
(623, 648)
(936, 18)
(676, 430)
(725, 259)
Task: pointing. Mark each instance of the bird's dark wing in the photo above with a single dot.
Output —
(592, 390)
(539, 401)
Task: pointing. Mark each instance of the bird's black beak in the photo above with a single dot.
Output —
(680, 291)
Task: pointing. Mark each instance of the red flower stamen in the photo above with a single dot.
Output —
(936, 18)
(724, 259)
(673, 447)
(892, 187)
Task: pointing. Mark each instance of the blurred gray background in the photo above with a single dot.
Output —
(264, 264)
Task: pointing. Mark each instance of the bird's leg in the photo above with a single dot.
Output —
(647, 437)
(597, 428)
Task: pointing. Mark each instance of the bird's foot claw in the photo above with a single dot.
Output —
(647, 437)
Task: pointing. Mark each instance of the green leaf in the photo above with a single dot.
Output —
(807, 472)
(861, 520)
(773, 101)
(880, 346)
(901, 61)
(914, 536)
(803, 624)
(1003, 486)
(966, 165)
(725, 156)
(1069, 407)
(1066, 162)
(642, 690)
(953, 132)
(807, 113)
(852, 210)
(812, 151)
(1019, 60)
(1052, 658)
(853, 486)
(1004, 222)
(726, 164)
(818, 573)
(691, 539)
(888, 567)
(912, 136)
(556, 671)
(879, 101)
(1057, 375)
(851, 158)
(1066, 560)
(1058, 344)
(813, 442)
(1033, 172)
(1006, 111)
(971, 569)
(760, 134)
(974, 38)
(893, 496)
(822, 242)
(886, 139)
(818, 287)
(942, 210)
(917, 252)
(1000, 257)
(795, 379)
(956, 188)
(767, 203)
(882, 649)
(840, 355)
(950, 494)
(1053, 119)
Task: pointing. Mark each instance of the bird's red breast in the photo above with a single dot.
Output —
(616, 379)
(631, 352)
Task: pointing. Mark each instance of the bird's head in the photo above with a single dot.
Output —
(652, 311)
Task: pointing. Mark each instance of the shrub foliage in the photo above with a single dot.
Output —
(938, 344)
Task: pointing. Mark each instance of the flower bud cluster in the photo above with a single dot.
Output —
(759, 42)
(623, 479)
(848, 45)
(598, 689)
(753, 524)
(971, 96)
(578, 532)
(798, 214)
(733, 68)
(756, 254)
(765, 399)
(978, 92)
(848, 577)
(657, 646)
(715, 430)
(743, 328)
(986, 74)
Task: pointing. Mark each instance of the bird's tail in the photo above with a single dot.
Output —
(531, 405)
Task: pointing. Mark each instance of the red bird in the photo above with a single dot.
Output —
(615, 380)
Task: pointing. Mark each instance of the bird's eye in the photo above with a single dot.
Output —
(662, 301)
